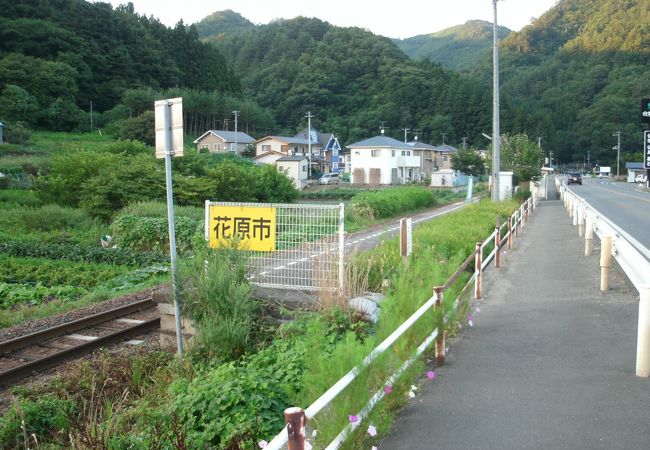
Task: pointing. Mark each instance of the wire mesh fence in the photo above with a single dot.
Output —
(291, 246)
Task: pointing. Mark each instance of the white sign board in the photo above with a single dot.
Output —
(175, 108)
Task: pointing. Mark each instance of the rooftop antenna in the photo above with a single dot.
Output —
(406, 130)
(382, 129)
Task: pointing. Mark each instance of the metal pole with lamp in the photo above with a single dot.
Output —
(496, 137)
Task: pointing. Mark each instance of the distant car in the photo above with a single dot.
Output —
(574, 177)
(640, 178)
(329, 178)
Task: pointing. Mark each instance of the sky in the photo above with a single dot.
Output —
(395, 19)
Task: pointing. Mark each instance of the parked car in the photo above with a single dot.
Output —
(574, 177)
(640, 178)
(329, 178)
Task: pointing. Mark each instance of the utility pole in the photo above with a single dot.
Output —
(618, 153)
(443, 137)
(236, 113)
(464, 138)
(309, 115)
(406, 130)
(496, 133)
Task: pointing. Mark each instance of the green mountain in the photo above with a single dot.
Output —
(220, 23)
(577, 74)
(58, 56)
(353, 80)
(458, 47)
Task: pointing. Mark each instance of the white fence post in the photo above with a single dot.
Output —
(589, 235)
(643, 334)
(605, 261)
(581, 221)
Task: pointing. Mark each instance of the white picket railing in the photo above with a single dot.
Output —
(631, 255)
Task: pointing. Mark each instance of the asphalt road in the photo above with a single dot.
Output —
(625, 204)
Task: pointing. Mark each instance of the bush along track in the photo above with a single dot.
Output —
(234, 397)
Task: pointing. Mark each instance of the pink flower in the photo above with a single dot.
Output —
(372, 431)
(353, 418)
(431, 375)
(262, 444)
(388, 389)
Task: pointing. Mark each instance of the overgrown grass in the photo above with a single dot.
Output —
(247, 394)
(23, 312)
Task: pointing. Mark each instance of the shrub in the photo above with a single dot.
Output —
(521, 196)
(159, 209)
(42, 417)
(140, 128)
(218, 298)
(151, 234)
(389, 202)
(19, 197)
(14, 294)
(47, 218)
(245, 400)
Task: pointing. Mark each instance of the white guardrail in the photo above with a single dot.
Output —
(633, 258)
(293, 436)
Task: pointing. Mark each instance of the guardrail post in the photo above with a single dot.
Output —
(576, 210)
(497, 243)
(589, 235)
(439, 311)
(295, 419)
(478, 262)
(510, 233)
(643, 334)
(581, 221)
(517, 223)
(605, 261)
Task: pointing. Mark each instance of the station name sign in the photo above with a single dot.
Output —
(252, 228)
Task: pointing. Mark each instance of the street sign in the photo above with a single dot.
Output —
(645, 110)
(173, 106)
(646, 149)
(251, 227)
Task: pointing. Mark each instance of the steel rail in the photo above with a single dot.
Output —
(86, 322)
(25, 370)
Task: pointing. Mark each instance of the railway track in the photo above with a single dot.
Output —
(33, 353)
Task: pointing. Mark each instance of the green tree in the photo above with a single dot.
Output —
(140, 128)
(18, 105)
(469, 162)
(521, 156)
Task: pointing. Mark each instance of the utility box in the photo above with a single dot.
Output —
(505, 185)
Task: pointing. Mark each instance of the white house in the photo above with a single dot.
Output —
(294, 166)
(383, 160)
(289, 146)
(221, 141)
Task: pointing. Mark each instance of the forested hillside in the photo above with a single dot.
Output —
(220, 23)
(353, 80)
(460, 47)
(58, 56)
(577, 74)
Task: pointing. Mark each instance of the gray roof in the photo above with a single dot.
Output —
(380, 141)
(421, 146)
(229, 136)
(288, 140)
(634, 165)
(292, 158)
(446, 148)
(321, 138)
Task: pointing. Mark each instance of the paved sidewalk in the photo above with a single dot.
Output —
(549, 363)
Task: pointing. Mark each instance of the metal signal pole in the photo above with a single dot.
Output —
(618, 153)
(496, 136)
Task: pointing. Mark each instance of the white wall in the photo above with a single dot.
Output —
(296, 170)
(386, 160)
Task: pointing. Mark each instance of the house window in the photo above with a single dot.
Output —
(280, 168)
(375, 153)
(205, 146)
(217, 147)
(406, 152)
(304, 168)
(445, 158)
(266, 148)
(392, 153)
